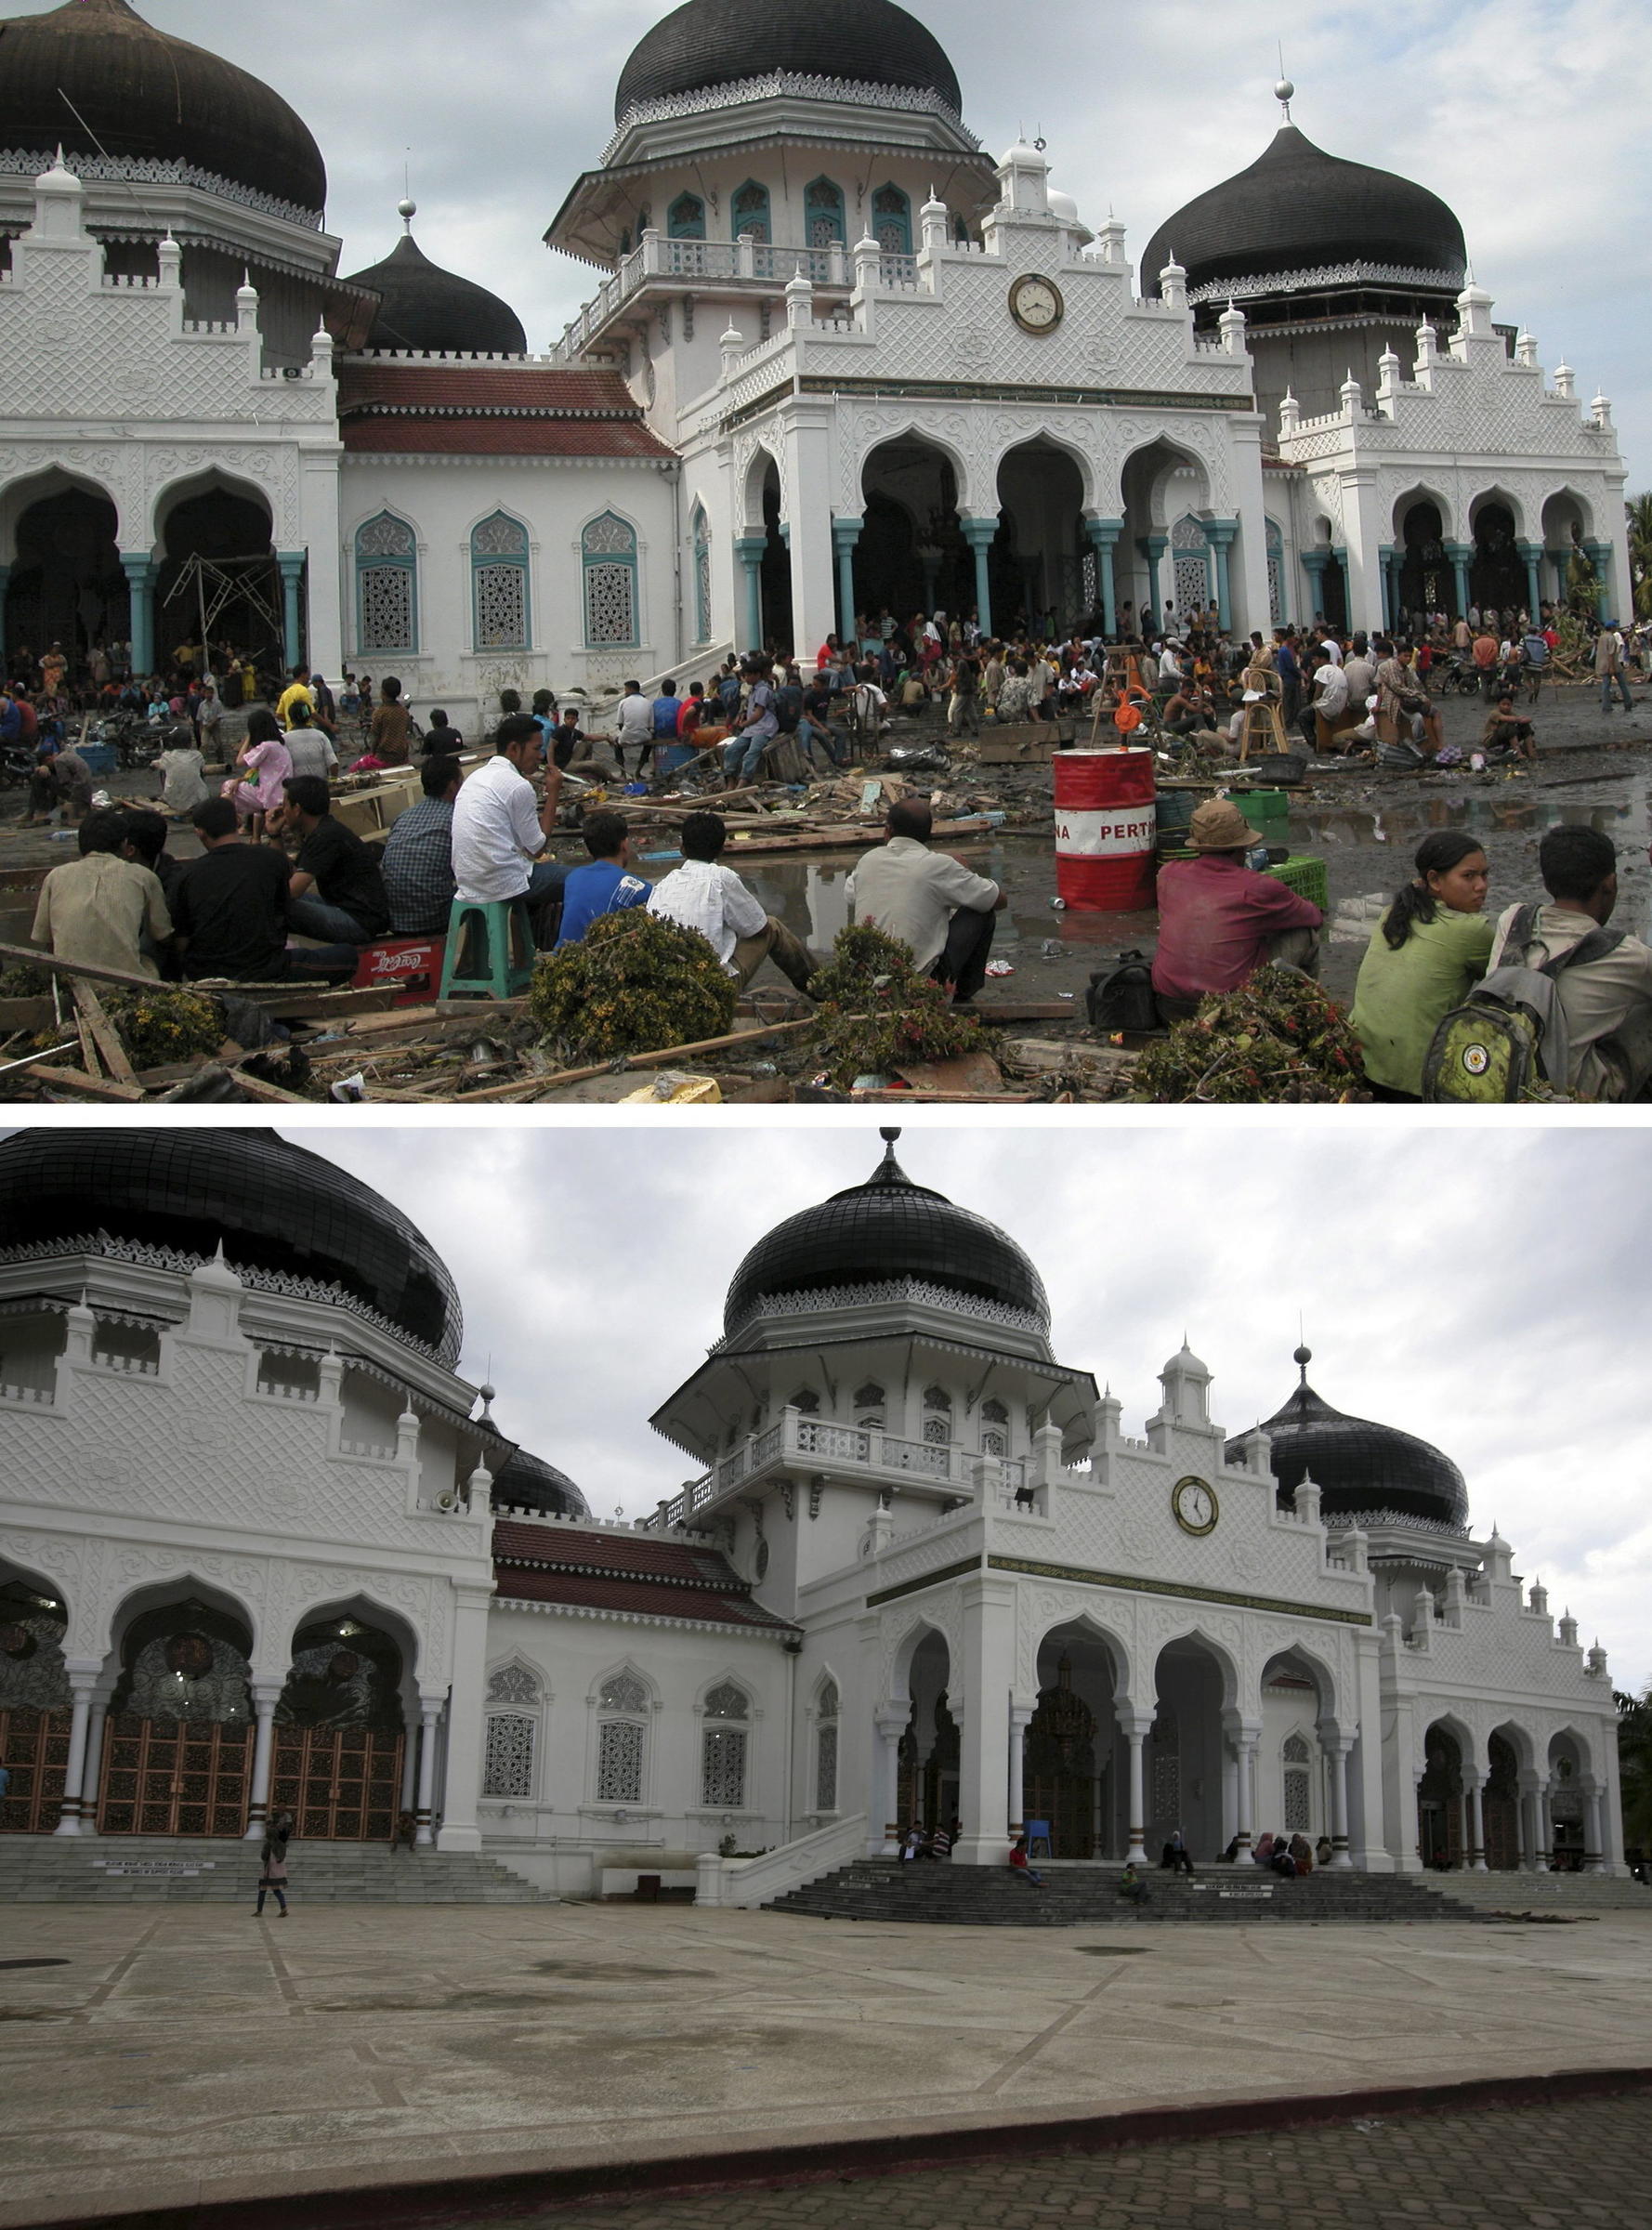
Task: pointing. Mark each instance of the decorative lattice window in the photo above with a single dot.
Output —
(993, 1442)
(703, 578)
(1296, 1751)
(994, 1412)
(828, 1706)
(727, 1701)
(806, 1401)
(685, 219)
(387, 584)
(512, 1683)
(608, 551)
(1167, 1769)
(826, 1768)
(723, 1777)
(750, 209)
(507, 1759)
(498, 583)
(619, 1762)
(1191, 565)
(1276, 575)
(892, 221)
(870, 1396)
(823, 214)
(623, 1692)
(1299, 1811)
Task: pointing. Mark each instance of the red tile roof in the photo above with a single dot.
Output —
(632, 1573)
(501, 436)
(491, 411)
(449, 386)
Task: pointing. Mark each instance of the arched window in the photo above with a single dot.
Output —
(1298, 1758)
(608, 555)
(995, 1436)
(869, 1407)
(387, 585)
(685, 219)
(937, 1416)
(823, 214)
(1276, 575)
(498, 583)
(723, 1749)
(892, 221)
(806, 1401)
(621, 1728)
(507, 1750)
(749, 210)
(1167, 1769)
(703, 577)
(1190, 559)
(826, 1709)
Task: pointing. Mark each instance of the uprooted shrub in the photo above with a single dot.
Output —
(635, 983)
(1278, 1039)
(170, 1023)
(876, 1011)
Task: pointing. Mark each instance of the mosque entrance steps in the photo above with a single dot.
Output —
(1087, 1897)
(144, 1870)
(1515, 1892)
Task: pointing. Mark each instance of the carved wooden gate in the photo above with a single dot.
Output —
(35, 1746)
(175, 1776)
(341, 1784)
(1059, 1768)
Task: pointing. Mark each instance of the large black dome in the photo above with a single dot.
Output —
(889, 1228)
(144, 97)
(425, 307)
(1298, 209)
(274, 1205)
(529, 1483)
(720, 42)
(1360, 1468)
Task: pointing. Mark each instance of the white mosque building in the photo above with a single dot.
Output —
(262, 1549)
(837, 357)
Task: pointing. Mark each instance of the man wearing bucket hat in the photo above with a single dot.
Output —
(1219, 921)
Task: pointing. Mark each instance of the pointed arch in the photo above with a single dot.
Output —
(624, 1702)
(685, 219)
(609, 583)
(386, 574)
(825, 1712)
(892, 218)
(824, 223)
(749, 212)
(501, 604)
(727, 1711)
(699, 536)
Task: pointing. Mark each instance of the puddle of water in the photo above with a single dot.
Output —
(1321, 828)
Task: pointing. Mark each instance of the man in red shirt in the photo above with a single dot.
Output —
(1219, 921)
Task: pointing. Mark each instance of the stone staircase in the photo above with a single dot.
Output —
(1542, 1892)
(1087, 1897)
(45, 1869)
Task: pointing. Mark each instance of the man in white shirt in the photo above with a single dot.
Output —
(703, 895)
(932, 902)
(1323, 727)
(634, 724)
(500, 829)
(1606, 1002)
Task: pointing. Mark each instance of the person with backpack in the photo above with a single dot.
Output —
(1429, 949)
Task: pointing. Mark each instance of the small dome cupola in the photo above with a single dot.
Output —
(525, 1482)
(1363, 1470)
(429, 312)
(884, 1230)
(711, 43)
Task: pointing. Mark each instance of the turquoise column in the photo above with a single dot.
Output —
(981, 534)
(140, 580)
(1339, 557)
(1218, 535)
(1460, 553)
(1532, 552)
(845, 533)
(749, 549)
(292, 571)
(1561, 560)
(1104, 534)
(1152, 547)
(1314, 563)
(1390, 586)
(1599, 554)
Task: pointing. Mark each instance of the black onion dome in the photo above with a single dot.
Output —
(425, 307)
(1299, 209)
(95, 78)
(1359, 1467)
(720, 42)
(884, 1229)
(274, 1205)
(527, 1483)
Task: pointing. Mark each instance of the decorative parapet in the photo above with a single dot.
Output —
(1323, 275)
(911, 1291)
(782, 84)
(154, 171)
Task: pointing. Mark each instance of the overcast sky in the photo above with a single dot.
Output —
(1528, 116)
(1486, 1291)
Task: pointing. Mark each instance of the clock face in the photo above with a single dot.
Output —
(1036, 305)
(1195, 1507)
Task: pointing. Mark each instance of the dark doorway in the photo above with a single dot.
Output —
(1496, 571)
(67, 586)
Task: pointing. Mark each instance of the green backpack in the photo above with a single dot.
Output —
(1510, 1035)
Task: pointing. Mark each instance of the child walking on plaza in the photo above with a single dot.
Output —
(274, 1856)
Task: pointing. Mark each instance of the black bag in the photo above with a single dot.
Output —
(1121, 998)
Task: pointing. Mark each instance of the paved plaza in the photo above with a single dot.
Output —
(197, 2055)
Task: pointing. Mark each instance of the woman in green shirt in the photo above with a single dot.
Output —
(1430, 946)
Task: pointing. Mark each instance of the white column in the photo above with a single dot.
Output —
(989, 1648)
(884, 1825)
(81, 1685)
(266, 1696)
(97, 1731)
(1230, 1794)
(461, 1784)
(1473, 1816)
(1135, 1726)
(808, 442)
(1545, 1831)
(1594, 1857)
(1020, 1717)
(410, 1757)
(1243, 1735)
(1338, 1745)
(430, 1714)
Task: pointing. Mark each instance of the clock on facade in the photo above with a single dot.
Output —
(1036, 303)
(1194, 1503)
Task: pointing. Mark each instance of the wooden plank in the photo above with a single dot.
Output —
(32, 956)
(32, 1061)
(104, 1034)
(25, 1014)
(90, 1087)
(527, 1085)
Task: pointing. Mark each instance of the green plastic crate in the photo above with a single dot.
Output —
(1305, 875)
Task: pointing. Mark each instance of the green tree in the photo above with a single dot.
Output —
(1634, 1768)
(1639, 509)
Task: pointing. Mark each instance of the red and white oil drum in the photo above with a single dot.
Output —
(1105, 829)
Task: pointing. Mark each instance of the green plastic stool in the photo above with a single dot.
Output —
(503, 929)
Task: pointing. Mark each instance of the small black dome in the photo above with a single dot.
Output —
(889, 1228)
(425, 307)
(95, 78)
(274, 1205)
(721, 41)
(527, 1483)
(1299, 209)
(1360, 1468)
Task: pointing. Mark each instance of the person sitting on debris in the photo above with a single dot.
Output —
(1019, 1863)
(1506, 729)
(759, 725)
(183, 779)
(99, 909)
(417, 866)
(1324, 724)
(309, 747)
(335, 892)
(607, 885)
(1606, 1002)
(1219, 921)
(1430, 947)
(231, 909)
(704, 895)
(498, 830)
(389, 739)
(442, 740)
(937, 907)
(1405, 711)
(1189, 711)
